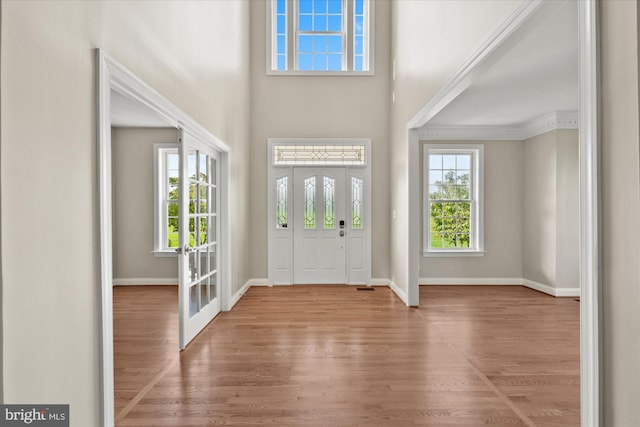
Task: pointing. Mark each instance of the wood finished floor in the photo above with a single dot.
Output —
(334, 356)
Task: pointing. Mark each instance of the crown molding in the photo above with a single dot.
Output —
(546, 123)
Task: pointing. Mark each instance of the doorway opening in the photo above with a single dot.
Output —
(532, 14)
(204, 257)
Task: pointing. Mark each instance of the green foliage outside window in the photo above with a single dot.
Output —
(450, 212)
(173, 222)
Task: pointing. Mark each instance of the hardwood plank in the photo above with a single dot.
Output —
(330, 355)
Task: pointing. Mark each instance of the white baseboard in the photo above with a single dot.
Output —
(470, 281)
(142, 281)
(239, 294)
(568, 292)
(381, 282)
(243, 290)
(550, 290)
(399, 292)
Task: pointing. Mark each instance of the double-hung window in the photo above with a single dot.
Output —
(166, 186)
(320, 36)
(453, 200)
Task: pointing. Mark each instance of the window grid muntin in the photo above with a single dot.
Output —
(321, 155)
(472, 199)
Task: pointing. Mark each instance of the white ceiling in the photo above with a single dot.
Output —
(126, 112)
(533, 73)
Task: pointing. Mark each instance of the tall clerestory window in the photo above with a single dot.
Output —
(320, 36)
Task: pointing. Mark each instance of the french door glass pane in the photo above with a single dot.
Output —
(203, 231)
(204, 298)
(203, 161)
(193, 301)
(193, 267)
(192, 164)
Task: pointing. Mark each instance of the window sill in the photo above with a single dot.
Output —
(436, 254)
(165, 254)
(322, 73)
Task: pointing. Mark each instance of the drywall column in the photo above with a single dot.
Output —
(620, 135)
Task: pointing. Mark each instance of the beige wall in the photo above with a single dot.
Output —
(194, 53)
(540, 209)
(320, 107)
(430, 42)
(502, 219)
(620, 212)
(567, 209)
(551, 209)
(133, 204)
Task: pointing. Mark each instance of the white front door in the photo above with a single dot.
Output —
(199, 230)
(319, 211)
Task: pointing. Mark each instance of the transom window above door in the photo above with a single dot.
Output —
(320, 36)
(320, 155)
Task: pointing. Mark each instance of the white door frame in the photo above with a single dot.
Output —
(280, 271)
(590, 274)
(113, 76)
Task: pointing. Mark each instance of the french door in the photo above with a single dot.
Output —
(319, 212)
(198, 255)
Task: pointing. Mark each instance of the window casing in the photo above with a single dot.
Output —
(321, 37)
(166, 202)
(453, 200)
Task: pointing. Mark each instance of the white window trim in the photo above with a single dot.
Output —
(159, 213)
(369, 44)
(477, 183)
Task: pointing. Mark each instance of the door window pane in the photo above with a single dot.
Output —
(203, 170)
(204, 298)
(310, 203)
(193, 301)
(329, 202)
(192, 164)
